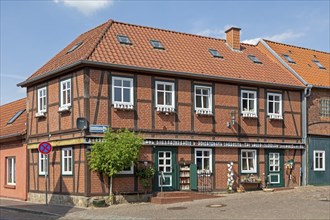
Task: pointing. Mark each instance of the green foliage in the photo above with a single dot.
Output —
(118, 150)
(145, 174)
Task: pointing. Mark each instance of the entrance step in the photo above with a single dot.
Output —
(178, 196)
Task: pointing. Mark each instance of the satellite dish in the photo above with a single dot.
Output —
(82, 123)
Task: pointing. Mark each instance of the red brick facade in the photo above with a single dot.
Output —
(91, 91)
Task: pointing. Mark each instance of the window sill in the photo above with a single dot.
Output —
(249, 115)
(64, 109)
(275, 117)
(165, 109)
(10, 186)
(123, 106)
(40, 115)
(204, 112)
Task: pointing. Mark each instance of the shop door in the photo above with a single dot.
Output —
(274, 168)
(166, 173)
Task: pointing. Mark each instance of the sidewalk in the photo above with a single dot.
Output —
(37, 208)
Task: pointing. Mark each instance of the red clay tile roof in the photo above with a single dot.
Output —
(183, 53)
(7, 111)
(304, 65)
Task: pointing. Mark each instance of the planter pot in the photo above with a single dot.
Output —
(99, 202)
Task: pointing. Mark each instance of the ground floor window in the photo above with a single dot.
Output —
(248, 161)
(11, 170)
(128, 170)
(319, 160)
(203, 159)
(42, 164)
(67, 161)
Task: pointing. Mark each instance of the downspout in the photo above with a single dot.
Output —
(304, 170)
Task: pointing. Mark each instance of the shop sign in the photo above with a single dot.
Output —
(98, 128)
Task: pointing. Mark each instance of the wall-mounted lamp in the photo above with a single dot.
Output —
(232, 114)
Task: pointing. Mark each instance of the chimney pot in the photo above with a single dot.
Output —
(233, 38)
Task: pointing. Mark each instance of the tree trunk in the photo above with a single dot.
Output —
(110, 192)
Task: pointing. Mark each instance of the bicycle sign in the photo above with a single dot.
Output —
(45, 148)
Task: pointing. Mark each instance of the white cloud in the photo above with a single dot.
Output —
(215, 32)
(277, 37)
(87, 7)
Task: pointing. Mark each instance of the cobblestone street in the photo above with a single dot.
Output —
(302, 203)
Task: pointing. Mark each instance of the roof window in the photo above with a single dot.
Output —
(254, 59)
(123, 39)
(318, 64)
(288, 58)
(157, 44)
(75, 47)
(215, 53)
(15, 116)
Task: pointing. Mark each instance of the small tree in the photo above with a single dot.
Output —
(118, 150)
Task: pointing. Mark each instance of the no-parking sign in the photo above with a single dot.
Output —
(45, 148)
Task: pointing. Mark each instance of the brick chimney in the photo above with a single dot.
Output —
(233, 38)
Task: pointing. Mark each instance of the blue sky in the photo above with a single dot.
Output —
(32, 32)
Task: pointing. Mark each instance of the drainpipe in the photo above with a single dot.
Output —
(307, 93)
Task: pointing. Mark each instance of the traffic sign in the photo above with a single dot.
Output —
(45, 148)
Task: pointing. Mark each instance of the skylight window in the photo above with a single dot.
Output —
(15, 116)
(288, 58)
(123, 39)
(215, 53)
(318, 64)
(254, 59)
(75, 47)
(157, 44)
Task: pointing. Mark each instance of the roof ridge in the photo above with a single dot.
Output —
(167, 30)
(100, 38)
(319, 51)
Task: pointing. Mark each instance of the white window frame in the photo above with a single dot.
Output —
(209, 97)
(317, 161)
(274, 174)
(203, 157)
(42, 99)
(42, 158)
(254, 161)
(254, 99)
(272, 162)
(274, 102)
(67, 90)
(164, 92)
(130, 171)
(69, 161)
(122, 88)
(11, 171)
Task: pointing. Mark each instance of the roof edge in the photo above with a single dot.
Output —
(136, 68)
(282, 62)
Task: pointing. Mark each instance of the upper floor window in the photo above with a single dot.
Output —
(249, 102)
(157, 44)
(288, 58)
(274, 101)
(318, 64)
(203, 159)
(203, 98)
(164, 94)
(42, 99)
(123, 39)
(67, 161)
(325, 108)
(122, 90)
(254, 59)
(11, 170)
(319, 160)
(42, 164)
(215, 53)
(248, 161)
(17, 114)
(66, 93)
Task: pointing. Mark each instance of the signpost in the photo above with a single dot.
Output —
(45, 148)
